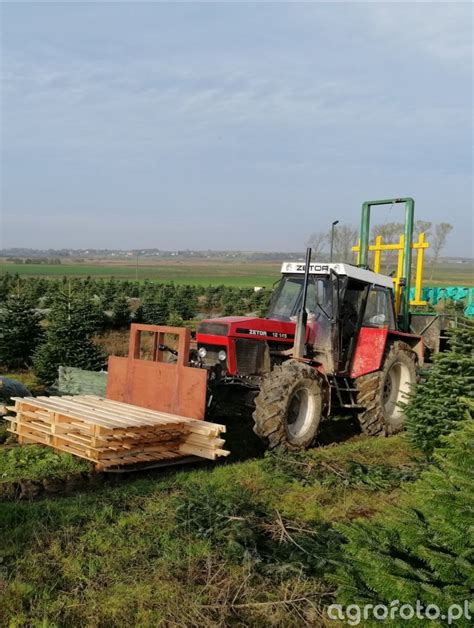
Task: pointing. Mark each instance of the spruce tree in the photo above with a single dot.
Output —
(121, 314)
(175, 320)
(259, 302)
(20, 331)
(424, 549)
(6, 282)
(185, 302)
(153, 312)
(434, 408)
(72, 323)
(109, 292)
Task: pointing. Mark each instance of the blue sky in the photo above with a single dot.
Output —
(230, 125)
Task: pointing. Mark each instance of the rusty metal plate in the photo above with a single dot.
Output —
(153, 383)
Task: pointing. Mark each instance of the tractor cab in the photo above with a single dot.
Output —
(340, 300)
(331, 286)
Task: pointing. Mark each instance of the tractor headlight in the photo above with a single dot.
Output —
(202, 352)
(222, 355)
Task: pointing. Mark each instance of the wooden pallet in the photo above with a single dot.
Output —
(112, 433)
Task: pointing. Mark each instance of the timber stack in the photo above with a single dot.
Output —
(112, 433)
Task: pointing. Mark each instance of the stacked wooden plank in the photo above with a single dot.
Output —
(111, 433)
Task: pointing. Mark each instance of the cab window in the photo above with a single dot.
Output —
(319, 296)
(287, 296)
(287, 299)
(379, 310)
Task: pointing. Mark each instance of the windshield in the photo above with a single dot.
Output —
(287, 298)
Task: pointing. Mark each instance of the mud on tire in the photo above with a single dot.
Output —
(290, 405)
(380, 392)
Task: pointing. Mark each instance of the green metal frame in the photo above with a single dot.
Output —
(364, 249)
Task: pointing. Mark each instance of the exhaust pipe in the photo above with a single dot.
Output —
(299, 347)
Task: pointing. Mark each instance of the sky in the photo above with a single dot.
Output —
(231, 125)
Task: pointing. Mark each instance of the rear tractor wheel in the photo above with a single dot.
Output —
(290, 405)
(381, 392)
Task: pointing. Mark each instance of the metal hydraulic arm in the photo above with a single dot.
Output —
(364, 249)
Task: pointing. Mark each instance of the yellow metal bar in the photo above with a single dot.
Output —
(377, 253)
(396, 280)
(356, 249)
(387, 247)
(391, 247)
(421, 245)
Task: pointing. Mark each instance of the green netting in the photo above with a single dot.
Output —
(449, 293)
(74, 381)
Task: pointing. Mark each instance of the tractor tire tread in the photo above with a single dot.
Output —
(271, 402)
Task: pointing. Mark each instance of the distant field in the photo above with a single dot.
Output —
(215, 272)
(451, 275)
(237, 274)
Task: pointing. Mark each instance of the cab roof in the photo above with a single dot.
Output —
(353, 272)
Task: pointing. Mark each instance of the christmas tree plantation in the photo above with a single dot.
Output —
(72, 323)
(20, 331)
(434, 409)
(424, 549)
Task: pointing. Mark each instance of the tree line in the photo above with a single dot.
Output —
(45, 323)
(184, 300)
(53, 261)
(346, 236)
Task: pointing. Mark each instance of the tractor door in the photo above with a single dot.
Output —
(363, 306)
(353, 299)
(322, 305)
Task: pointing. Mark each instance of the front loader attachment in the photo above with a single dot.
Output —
(147, 377)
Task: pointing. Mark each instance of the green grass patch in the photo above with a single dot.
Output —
(217, 273)
(249, 543)
(34, 462)
(450, 275)
(210, 273)
(28, 379)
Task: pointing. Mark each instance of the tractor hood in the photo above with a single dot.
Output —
(246, 327)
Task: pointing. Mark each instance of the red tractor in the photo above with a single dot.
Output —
(337, 337)
(351, 353)
(331, 340)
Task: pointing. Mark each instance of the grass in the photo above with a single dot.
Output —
(249, 543)
(34, 462)
(28, 378)
(218, 272)
(451, 275)
(243, 275)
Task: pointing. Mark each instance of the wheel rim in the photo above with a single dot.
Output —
(300, 413)
(396, 390)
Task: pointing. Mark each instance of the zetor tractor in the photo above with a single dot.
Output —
(332, 340)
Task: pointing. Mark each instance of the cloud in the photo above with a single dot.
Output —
(204, 107)
(442, 30)
(328, 84)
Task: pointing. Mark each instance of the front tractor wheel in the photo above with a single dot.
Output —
(382, 392)
(289, 406)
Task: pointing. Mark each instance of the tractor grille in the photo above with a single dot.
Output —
(213, 329)
(252, 356)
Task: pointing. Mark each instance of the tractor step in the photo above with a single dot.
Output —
(345, 393)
